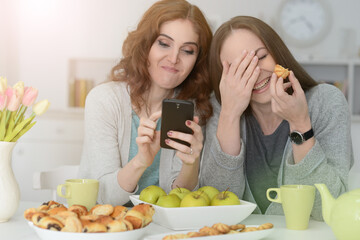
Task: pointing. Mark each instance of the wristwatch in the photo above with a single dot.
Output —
(298, 138)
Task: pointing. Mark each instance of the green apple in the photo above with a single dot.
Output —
(225, 198)
(209, 190)
(151, 194)
(169, 201)
(203, 194)
(194, 199)
(180, 192)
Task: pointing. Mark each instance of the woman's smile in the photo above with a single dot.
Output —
(261, 85)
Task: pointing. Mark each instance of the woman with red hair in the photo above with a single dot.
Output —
(164, 57)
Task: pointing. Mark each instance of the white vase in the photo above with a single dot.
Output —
(9, 188)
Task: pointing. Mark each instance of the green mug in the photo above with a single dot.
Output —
(80, 191)
(297, 202)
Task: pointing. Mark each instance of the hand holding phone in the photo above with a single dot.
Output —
(175, 112)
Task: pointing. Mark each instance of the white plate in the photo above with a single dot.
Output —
(238, 236)
(46, 234)
(184, 218)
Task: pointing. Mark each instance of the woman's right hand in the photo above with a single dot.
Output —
(148, 139)
(237, 83)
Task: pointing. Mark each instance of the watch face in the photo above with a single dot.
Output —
(296, 137)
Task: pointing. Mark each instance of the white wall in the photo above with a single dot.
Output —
(42, 35)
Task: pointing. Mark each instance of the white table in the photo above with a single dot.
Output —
(17, 228)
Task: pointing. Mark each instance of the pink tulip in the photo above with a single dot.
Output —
(14, 99)
(9, 92)
(30, 96)
(3, 101)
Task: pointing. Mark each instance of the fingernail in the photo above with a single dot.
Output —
(252, 53)
(169, 133)
(167, 141)
(188, 122)
(255, 59)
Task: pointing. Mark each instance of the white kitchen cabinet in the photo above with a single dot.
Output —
(56, 139)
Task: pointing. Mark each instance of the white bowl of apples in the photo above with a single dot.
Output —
(184, 210)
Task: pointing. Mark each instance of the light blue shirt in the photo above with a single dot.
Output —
(151, 174)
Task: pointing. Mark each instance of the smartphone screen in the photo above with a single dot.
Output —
(175, 112)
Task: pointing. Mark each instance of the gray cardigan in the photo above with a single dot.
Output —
(107, 142)
(329, 161)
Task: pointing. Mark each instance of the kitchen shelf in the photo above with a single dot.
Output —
(84, 74)
(344, 73)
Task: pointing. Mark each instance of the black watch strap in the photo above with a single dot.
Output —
(309, 134)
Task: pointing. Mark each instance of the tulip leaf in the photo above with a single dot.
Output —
(2, 126)
(22, 132)
(11, 124)
(18, 128)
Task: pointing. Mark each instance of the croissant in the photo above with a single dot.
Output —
(89, 218)
(50, 223)
(119, 212)
(105, 209)
(52, 204)
(280, 71)
(117, 226)
(136, 218)
(147, 210)
(93, 227)
(79, 209)
(72, 224)
(62, 216)
(29, 213)
(104, 219)
(56, 210)
(128, 224)
(36, 217)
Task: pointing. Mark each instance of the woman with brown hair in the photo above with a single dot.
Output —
(267, 131)
(164, 57)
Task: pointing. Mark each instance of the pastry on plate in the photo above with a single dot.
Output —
(101, 218)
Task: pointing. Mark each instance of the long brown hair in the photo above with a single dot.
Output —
(133, 67)
(272, 42)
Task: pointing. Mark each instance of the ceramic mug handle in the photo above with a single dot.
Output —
(277, 199)
(59, 191)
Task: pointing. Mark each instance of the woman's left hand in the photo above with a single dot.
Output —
(292, 108)
(187, 154)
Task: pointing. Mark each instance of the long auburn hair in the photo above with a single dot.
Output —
(133, 67)
(272, 41)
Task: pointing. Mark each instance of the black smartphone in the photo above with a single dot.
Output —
(174, 114)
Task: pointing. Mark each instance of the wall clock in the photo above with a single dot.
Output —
(304, 23)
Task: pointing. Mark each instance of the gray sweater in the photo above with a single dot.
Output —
(329, 161)
(107, 142)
